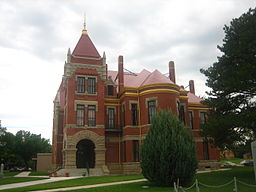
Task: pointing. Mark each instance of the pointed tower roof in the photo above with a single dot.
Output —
(85, 46)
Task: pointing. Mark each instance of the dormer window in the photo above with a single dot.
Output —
(110, 90)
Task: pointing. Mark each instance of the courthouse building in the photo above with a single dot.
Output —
(102, 116)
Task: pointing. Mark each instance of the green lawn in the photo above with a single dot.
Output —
(244, 174)
(10, 174)
(78, 182)
(10, 180)
(233, 160)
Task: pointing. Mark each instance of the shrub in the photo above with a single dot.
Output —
(168, 151)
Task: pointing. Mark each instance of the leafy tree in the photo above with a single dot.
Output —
(19, 149)
(232, 81)
(168, 151)
(28, 145)
(7, 146)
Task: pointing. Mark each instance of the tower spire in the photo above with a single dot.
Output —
(84, 31)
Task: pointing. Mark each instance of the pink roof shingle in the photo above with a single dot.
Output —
(146, 78)
(85, 47)
(192, 98)
(139, 79)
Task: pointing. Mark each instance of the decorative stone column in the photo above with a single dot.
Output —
(70, 158)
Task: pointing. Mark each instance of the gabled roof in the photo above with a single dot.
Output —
(146, 78)
(85, 47)
(192, 98)
(139, 79)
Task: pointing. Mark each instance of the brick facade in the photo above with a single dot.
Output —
(112, 109)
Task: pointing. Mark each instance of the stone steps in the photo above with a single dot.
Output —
(80, 172)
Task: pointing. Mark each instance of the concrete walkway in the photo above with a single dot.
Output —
(29, 183)
(23, 174)
(92, 186)
(26, 174)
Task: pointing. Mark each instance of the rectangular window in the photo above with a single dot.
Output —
(190, 114)
(134, 114)
(136, 151)
(91, 115)
(111, 118)
(203, 117)
(80, 84)
(124, 151)
(80, 115)
(123, 116)
(110, 90)
(151, 110)
(182, 113)
(206, 150)
(91, 85)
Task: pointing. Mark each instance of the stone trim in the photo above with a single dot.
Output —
(67, 126)
(130, 137)
(151, 99)
(133, 102)
(113, 139)
(88, 58)
(111, 107)
(85, 103)
(70, 68)
(69, 153)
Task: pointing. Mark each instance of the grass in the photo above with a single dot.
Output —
(233, 160)
(38, 173)
(10, 180)
(78, 182)
(10, 174)
(244, 174)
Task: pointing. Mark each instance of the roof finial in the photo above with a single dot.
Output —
(84, 29)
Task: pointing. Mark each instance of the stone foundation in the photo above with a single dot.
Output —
(127, 168)
(208, 164)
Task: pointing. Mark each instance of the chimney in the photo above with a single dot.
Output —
(120, 73)
(172, 72)
(191, 86)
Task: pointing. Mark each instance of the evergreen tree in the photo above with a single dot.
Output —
(168, 151)
(232, 81)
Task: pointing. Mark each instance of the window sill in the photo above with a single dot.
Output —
(90, 94)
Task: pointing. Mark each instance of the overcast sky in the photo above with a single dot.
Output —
(35, 36)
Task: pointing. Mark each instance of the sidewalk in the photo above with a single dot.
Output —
(23, 174)
(26, 174)
(29, 183)
(92, 186)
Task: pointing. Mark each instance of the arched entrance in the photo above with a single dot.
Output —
(85, 154)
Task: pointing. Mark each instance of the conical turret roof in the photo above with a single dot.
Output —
(85, 47)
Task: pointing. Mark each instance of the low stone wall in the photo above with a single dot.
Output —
(115, 168)
(124, 168)
(131, 168)
(208, 164)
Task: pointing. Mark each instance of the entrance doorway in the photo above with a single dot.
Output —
(85, 155)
